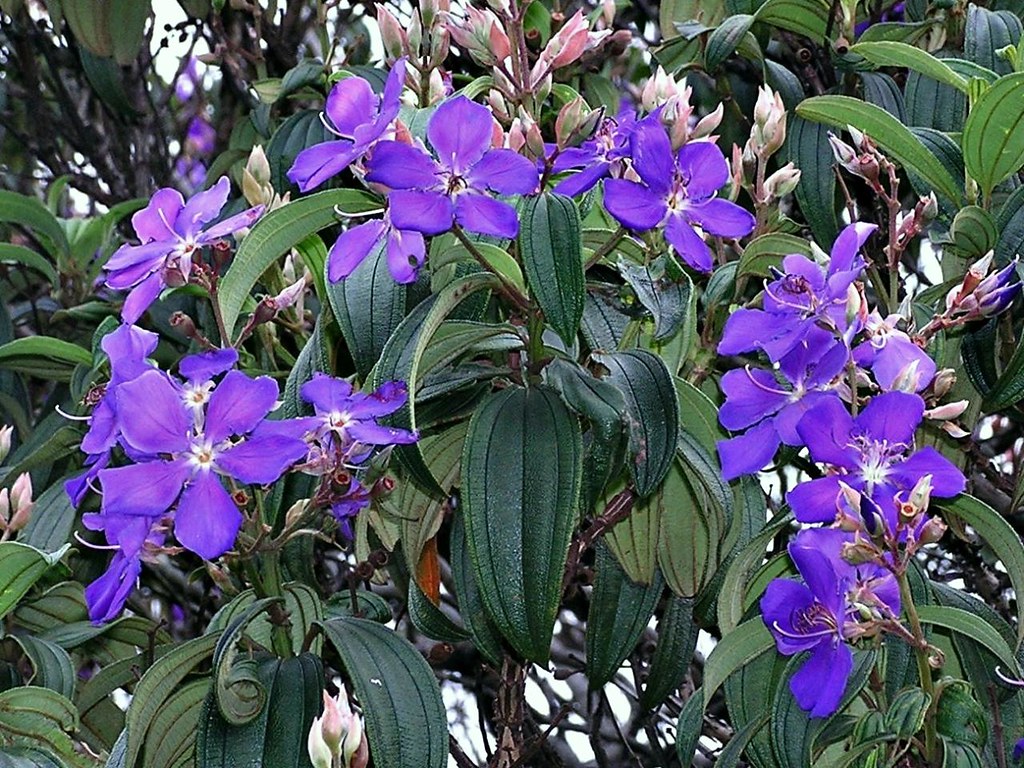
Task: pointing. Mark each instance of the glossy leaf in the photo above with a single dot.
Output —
(724, 40)
(744, 644)
(21, 566)
(993, 139)
(805, 17)
(808, 148)
(673, 652)
(44, 357)
(521, 475)
(967, 624)
(894, 54)
(405, 717)
(549, 245)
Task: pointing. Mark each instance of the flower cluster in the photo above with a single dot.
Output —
(194, 442)
(849, 387)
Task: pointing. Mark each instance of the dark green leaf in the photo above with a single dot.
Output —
(893, 54)
(51, 665)
(44, 357)
(808, 148)
(21, 566)
(677, 641)
(29, 213)
(805, 17)
(521, 474)
(667, 300)
(993, 139)
(405, 717)
(722, 43)
(486, 636)
(53, 518)
(986, 32)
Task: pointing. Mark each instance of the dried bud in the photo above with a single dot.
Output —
(783, 181)
(6, 433)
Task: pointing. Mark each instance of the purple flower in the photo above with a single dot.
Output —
(406, 250)
(772, 405)
(872, 454)
(819, 616)
(676, 192)
(200, 137)
(804, 296)
(596, 157)
(359, 118)
(1018, 750)
(171, 232)
(348, 504)
(132, 535)
(185, 84)
(183, 437)
(895, 360)
(430, 194)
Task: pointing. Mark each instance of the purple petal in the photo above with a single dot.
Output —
(703, 167)
(428, 212)
(77, 487)
(203, 367)
(368, 433)
(127, 348)
(782, 600)
(153, 415)
(814, 501)
(485, 215)
(327, 394)
(154, 222)
(722, 218)
(238, 404)
(583, 181)
(688, 244)
(401, 166)
(406, 254)
(102, 433)
(848, 245)
(261, 460)
(634, 205)
(207, 520)
(391, 100)
(315, 165)
(750, 452)
(350, 103)
(460, 132)
(826, 430)
(652, 156)
(142, 489)
(352, 247)
(388, 398)
(230, 225)
(744, 330)
(141, 297)
(787, 419)
(202, 208)
(107, 595)
(894, 360)
(750, 396)
(893, 416)
(505, 172)
(132, 263)
(819, 684)
(947, 479)
(829, 365)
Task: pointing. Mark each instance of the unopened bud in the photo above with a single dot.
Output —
(337, 736)
(709, 123)
(947, 411)
(21, 501)
(783, 182)
(858, 552)
(944, 381)
(296, 512)
(930, 209)
(932, 531)
(908, 379)
(5, 508)
(769, 131)
(429, 10)
(6, 433)
(396, 43)
(415, 35)
(921, 494)
(438, 88)
(568, 121)
(440, 43)
(844, 154)
(658, 89)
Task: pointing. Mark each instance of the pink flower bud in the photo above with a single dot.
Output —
(709, 123)
(396, 43)
(932, 531)
(6, 433)
(783, 181)
(947, 411)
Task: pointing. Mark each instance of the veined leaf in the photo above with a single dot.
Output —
(993, 139)
(21, 566)
(893, 54)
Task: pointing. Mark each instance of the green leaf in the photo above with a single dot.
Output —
(907, 712)
(986, 32)
(722, 43)
(931, 104)
(999, 535)
(158, 684)
(278, 232)
(973, 232)
(19, 254)
(405, 718)
(521, 474)
(51, 665)
(549, 245)
(620, 610)
(730, 756)
(53, 518)
(44, 357)
(29, 213)
(677, 640)
(768, 251)
(21, 566)
(430, 619)
(967, 624)
(808, 148)
(652, 409)
(486, 636)
(886, 131)
(401, 361)
(993, 138)
(737, 578)
(172, 734)
(369, 306)
(34, 716)
(736, 649)
(668, 300)
(805, 17)
(893, 54)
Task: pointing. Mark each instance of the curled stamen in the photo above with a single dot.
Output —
(786, 303)
(794, 636)
(331, 129)
(1009, 680)
(761, 386)
(71, 416)
(90, 545)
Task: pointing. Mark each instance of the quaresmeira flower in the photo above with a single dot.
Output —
(676, 192)
(359, 118)
(171, 231)
(429, 194)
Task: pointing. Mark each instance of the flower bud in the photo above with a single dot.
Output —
(5, 508)
(908, 379)
(396, 43)
(844, 154)
(858, 552)
(440, 42)
(430, 10)
(439, 87)
(482, 36)
(415, 35)
(709, 123)
(337, 736)
(658, 89)
(21, 503)
(944, 381)
(932, 531)
(947, 411)
(6, 433)
(783, 182)
(769, 131)
(568, 122)
(319, 753)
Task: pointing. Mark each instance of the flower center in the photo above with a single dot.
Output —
(813, 619)
(202, 455)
